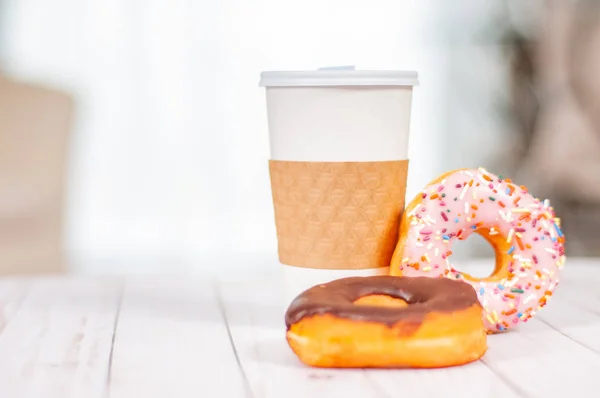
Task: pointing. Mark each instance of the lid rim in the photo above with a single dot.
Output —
(338, 78)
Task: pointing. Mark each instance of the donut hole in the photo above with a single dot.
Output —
(381, 300)
(462, 249)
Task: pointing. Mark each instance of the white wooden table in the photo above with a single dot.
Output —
(150, 336)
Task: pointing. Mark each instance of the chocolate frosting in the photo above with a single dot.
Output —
(423, 294)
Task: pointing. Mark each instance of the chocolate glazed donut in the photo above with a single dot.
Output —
(439, 324)
(424, 295)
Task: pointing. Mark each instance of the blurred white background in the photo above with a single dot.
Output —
(170, 149)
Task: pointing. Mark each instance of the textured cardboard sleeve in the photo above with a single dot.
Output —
(337, 215)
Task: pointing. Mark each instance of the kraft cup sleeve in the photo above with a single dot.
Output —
(337, 215)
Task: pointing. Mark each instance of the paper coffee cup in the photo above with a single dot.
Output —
(338, 167)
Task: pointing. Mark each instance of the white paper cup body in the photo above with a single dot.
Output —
(339, 124)
(337, 116)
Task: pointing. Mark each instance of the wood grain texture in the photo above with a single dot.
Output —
(256, 323)
(12, 294)
(575, 309)
(58, 342)
(542, 362)
(195, 337)
(256, 320)
(171, 341)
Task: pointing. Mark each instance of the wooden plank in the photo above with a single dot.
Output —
(580, 289)
(575, 311)
(542, 362)
(171, 341)
(556, 352)
(256, 321)
(581, 274)
(574, 321)
(472, 380)
(58, 343)
(12, 294)
(585, 299)
(575, 306)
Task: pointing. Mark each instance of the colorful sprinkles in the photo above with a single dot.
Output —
(486, 204)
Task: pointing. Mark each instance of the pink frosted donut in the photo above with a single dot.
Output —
(523, 231)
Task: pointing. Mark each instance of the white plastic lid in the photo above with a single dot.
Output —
(338, 76)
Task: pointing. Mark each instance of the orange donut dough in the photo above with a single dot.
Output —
(387, 321)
